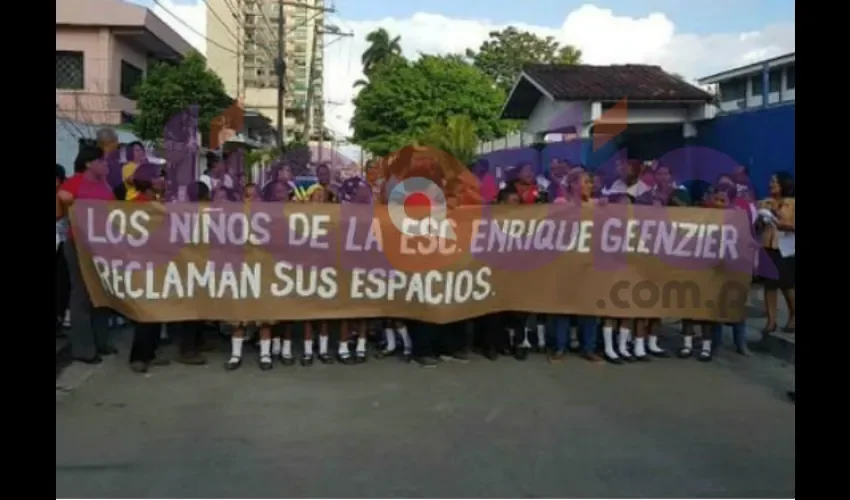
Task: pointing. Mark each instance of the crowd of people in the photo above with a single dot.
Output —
(613, 340)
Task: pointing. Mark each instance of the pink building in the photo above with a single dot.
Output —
(103, 49)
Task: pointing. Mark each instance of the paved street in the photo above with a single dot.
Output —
(669, 429)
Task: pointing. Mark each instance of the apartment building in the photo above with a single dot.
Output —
(745, 88)
(103, 50)
(242, 47)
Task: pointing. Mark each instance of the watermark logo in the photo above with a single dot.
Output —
(633, 296)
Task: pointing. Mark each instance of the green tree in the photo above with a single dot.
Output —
(381, 48)
(170, 89)
(400, 105)
(456, 136)
(503, 54)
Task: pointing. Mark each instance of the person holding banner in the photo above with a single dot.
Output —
(89, 333)
(580, 186)
(777, 219)
(62, 280)
(146, 334)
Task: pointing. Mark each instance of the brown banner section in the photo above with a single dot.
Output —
(299, 261)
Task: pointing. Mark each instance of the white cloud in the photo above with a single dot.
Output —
(603, 36)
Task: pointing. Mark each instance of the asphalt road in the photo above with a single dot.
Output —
(668, 429)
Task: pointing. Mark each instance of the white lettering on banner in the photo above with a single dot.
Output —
(524, 235)
(431, 287)
(430, 235)
(676, 239)
(311, 230)
(135, 280)
(217, 227)
(119, 226)
(304, 281)
(371, 240)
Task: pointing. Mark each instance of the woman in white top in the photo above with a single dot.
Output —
(629, 181)
(777, 223)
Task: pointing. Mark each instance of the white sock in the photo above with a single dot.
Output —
(389, 334)
(323, 344)
(343, 348)
(286, 350)
(688, 342)
(541, 336)
(405, 339)
(236, 347)
(275, 346)
(525, 343)
(608, 340)
(653, 344)
(640, 347)
(265, 348)
(308, 347)
(511, 337)
(623, 340)
(361, 345)
(706, 346)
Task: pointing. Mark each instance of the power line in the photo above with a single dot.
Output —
(193, 30)
(220, 20)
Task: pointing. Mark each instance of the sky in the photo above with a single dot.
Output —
(693, 39)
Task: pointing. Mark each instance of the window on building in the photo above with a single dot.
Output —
(131, 77)
(790, 78)
(69, 70)
(775, 80)
(756, 83)
(733, 89)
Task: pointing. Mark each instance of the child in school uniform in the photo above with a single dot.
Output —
(580, 191)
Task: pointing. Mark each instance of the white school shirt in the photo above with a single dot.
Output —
(213, 183)
(619, 187)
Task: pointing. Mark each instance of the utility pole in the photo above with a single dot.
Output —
(311, 118)
(280, 67)
(280, 63)
(311, 77)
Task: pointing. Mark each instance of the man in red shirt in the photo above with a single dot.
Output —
(89, 332)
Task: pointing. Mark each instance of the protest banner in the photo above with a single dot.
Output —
(291, 261)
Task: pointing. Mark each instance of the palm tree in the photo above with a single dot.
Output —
(381, 48)
(457, 136)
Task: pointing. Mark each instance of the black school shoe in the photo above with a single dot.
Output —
(427, 362)
(360, 357)
(521, 353)
(96, 360)
(326, 359)
(346, 359)
(307, 360)
(613, 361)
(287, 360)
(385, 353)
(266, 363)
(233, 364)
(659, 354)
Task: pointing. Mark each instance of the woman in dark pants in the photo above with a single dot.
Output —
(63, 281)
(145, 335)
(89, 333)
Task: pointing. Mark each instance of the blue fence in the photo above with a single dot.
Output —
(762, 140)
